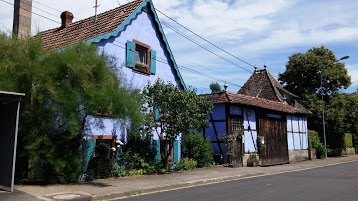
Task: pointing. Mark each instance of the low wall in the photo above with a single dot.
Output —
(339, 152)
(298, 155)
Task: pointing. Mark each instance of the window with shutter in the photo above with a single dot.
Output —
(140, 57)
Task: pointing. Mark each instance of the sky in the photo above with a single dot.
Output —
(253, 32)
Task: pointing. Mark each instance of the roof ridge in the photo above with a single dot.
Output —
(273, 82)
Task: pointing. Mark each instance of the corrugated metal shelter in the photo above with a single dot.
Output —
(9, 119)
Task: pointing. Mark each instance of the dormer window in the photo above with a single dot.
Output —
(140, 57)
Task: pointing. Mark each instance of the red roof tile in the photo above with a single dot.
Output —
(85, 29)
(229, 97)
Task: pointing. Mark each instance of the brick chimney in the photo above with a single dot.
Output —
(66, 19)
(22, 17)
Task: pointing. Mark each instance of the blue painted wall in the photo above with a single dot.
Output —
(142, 28)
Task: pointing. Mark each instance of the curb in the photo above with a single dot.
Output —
(122, 195)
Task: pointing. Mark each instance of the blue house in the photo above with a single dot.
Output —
(267, 118)
(133, 34)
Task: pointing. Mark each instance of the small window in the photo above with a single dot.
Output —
(140, 57)
(140, 54)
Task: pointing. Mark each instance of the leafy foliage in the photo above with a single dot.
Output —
(100, 166)
(180, 111)
(341, 117)
(62, 89)
(314, 142)
(253, 160)
(195, 146)
(302, 75)
(187, 164)
(348, 140)
(215, 87)
(138, 150)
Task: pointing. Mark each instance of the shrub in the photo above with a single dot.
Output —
(100, 166)
(118, 170)
(138, 151)
(252, 160)
(187, 164)
(314, 142)
(196, 147)
(347, 140)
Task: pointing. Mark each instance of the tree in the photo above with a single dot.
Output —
(303, 77)
(342, 117)
(172, 111)
(215, 87)
(62, 89)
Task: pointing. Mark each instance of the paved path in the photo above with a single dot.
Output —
(333, 183)
(122, 187)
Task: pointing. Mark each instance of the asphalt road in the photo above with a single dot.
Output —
(338, 182)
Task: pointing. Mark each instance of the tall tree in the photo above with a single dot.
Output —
(62, 88)
(303, 73)
(303, 77)
(174, 112)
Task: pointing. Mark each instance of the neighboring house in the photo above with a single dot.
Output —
(133, 34)
(264, 108)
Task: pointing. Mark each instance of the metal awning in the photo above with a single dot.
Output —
(9, 119)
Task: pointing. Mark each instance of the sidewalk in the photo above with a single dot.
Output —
(124, 186)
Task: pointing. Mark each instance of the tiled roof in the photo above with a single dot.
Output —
(229, 97)
(85, 29)
(261, 84)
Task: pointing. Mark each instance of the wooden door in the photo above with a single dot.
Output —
(273, 128)
(235, 141)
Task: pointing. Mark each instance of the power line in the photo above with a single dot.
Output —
(193, 41)
(32, 12)
(205, 39)
(47, 6)
(38, 8)
(162, 60)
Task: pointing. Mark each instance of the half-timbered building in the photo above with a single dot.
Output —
(264, 110)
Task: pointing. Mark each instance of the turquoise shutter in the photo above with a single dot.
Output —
(156, 114)
(175, 151)
(153, 63)
(130, 54)
(157, 147)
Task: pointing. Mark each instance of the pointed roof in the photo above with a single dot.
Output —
(263, 91)
(261, 84)
(108, 24)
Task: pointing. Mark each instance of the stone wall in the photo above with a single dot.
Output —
(299, 155)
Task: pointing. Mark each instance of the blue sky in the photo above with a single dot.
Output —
(260, 32)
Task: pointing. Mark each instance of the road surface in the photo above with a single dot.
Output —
(332, 183)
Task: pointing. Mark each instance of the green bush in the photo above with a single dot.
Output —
(100, 166)
(187, 164)
(118, 170)
(139, 151)
(314, 142)
(252, 161)
(196, 147)
(347, 140)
